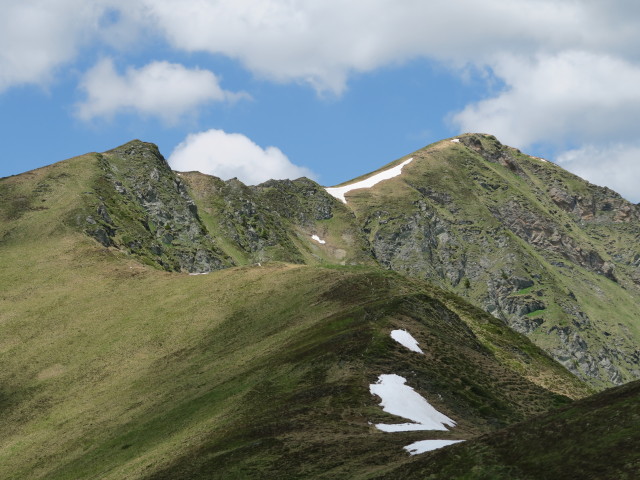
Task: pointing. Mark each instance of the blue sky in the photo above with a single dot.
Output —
(328, 89)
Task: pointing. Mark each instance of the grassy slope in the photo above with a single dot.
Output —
(111, 369)
(595, 438)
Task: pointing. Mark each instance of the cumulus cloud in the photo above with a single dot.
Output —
(615, 166)
(162, 89)
(323, 42)
(575, 95)
(38, 36)
(228, 155)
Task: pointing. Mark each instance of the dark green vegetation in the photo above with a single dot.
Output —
(594, 438)
(275, 221)
(117, 364)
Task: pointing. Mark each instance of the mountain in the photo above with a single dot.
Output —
(156, 324)
(553, 256)
(546, 252)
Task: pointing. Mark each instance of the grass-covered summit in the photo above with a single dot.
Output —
(553, 256)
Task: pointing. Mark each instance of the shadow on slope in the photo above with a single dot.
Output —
(593, 438)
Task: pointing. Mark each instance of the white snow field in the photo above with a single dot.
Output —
(406, 339)
(427, 445)
(338, 192)
(401, 400)
(318, 239)
(455, 140)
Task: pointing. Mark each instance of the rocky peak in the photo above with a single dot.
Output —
(146, 210)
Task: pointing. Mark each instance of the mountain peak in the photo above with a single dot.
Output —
(488, 147)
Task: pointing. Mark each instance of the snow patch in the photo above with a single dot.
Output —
(200, 273)
(428, 445)
(318, 239)
(455, 140)
(401, 400)
(404, 427)
(339, 192)
(406, 339)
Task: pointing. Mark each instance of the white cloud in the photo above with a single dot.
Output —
(575, 95)
(615, 166)
(37, 36)
(228, 155)
(570, 67)
(322, 42)
(163, 89)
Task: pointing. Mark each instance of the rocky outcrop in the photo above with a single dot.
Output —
(142, 208)
(277, 219)
(302, 201)
(248, 222)
(600, 205)
(542, 232)
(421, 245)
(578, 356)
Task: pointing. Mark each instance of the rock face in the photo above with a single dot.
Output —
(550, 255)
(141, 207)
(198, 223)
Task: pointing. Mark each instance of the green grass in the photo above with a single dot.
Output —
(112, 369)
(116, 370)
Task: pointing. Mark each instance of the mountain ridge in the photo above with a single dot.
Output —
(519, 237)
